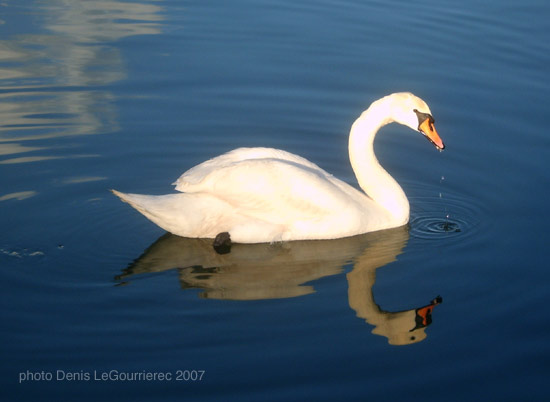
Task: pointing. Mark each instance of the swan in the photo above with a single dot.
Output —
(261, 195)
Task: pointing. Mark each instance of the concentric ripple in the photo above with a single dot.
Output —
(444, 217)
(430, 227)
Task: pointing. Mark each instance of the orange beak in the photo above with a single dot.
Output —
(427, 128)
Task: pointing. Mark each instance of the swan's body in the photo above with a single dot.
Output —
(265, 195)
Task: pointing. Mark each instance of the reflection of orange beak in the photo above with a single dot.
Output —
(427, 128)
(423, 316)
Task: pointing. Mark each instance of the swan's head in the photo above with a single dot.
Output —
(413, 112)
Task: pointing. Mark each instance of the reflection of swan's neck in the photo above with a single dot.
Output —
(373, 178)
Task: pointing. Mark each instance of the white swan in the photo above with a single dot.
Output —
(258, 195)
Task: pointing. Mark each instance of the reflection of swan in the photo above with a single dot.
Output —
(264, 271)
(403, 327)
(264, 195)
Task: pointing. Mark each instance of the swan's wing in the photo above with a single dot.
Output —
(273, 190)
(197, 174)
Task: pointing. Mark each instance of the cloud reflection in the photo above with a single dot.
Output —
(21, 195)
(264, 271)
(52, 83)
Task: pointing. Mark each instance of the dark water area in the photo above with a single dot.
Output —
(98, 303)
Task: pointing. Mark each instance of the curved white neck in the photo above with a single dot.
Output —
(372, 177)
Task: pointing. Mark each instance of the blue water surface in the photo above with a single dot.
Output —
(100, 304)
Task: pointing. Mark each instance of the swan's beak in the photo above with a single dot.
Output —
(428, 130)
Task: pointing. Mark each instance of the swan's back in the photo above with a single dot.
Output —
(278, 187)
(261, 183)
(190, 181)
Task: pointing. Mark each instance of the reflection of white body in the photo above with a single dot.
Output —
(265, 195)
(266, 271)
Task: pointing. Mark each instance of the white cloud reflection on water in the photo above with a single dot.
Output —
(53, 83)
(21, 195)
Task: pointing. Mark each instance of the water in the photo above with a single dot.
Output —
(128, 95)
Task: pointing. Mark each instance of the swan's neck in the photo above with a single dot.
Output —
(372, 177)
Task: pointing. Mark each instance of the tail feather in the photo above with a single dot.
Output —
(152, 204)
(188, 215)
(155, 208)
(138, 201)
